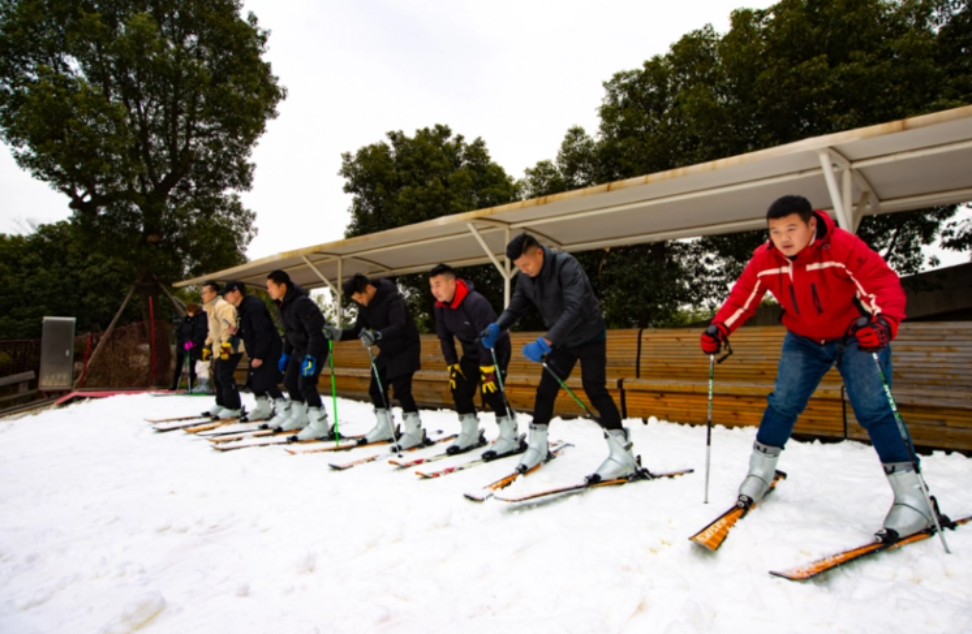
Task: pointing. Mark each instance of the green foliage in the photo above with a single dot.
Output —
(144, 115)
(800, 68)
(412, 179)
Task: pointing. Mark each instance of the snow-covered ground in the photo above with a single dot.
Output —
(109, 527)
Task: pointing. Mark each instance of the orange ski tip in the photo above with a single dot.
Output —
(715, 533)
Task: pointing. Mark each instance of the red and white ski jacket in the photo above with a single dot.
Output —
(834, 280)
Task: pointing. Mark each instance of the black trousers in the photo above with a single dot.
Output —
(593, 360)
(227, 392)
(303, 389)
(265, 380)
(180, 362)
(468, 382)
(402, 385)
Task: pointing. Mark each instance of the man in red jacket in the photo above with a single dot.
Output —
(826, 279)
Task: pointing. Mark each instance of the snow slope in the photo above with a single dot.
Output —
(107, 527)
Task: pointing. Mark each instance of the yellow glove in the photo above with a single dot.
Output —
(206, 353)
(225, 349)
(454, 371)
(487, 375)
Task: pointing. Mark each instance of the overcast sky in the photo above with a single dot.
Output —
(516, 73)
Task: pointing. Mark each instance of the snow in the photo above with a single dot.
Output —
(108, 527)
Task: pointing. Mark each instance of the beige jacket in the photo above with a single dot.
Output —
(221, 315)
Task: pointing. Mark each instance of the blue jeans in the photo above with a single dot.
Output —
(804, 363)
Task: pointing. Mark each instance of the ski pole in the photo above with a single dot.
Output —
(911, 451)
(570, 391)
(708, 428)
(384, 399)
(499, 379)
(330, 358)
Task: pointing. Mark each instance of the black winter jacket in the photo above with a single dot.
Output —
(400, 344)
(563, 295)
(464, 318)
(303, 323)
(257, 330)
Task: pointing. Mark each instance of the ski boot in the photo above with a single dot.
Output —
(213, 412)
(382, 430)
(262, 411)
(762, 470)
(317, 428)
(537, 449)
(281, 412)
(414, 435)
(506, 442)
(910, 512)
(200, 388)
(227, 413)
(470, 435)
(620, 462)
(298, 417)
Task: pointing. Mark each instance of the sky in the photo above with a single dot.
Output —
(517, 74)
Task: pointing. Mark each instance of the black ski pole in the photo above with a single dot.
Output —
(384, 400)
(708, 428)
(499, 379)
(330, 358)
(911, 450)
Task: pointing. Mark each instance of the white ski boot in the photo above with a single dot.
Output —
(414, 435)
(537, 449)
(470, 435)
(382, 430)
(506, 442)
(762, 470)
(262, 411)
(200, 388)
(298, 417)
(227, 413)
(281, 413)
(213, 412)
(910, 512)
(317, 428)
(620, 462)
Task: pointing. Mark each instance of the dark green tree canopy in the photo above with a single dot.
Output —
(411, 179)
(144, 114)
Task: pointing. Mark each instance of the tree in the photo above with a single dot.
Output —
(144, 114)
(799, 68)
(411, 179)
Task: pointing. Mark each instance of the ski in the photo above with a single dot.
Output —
(224, 430)
(428, 443)
(346, 443)
(715, 533)
(439, 456)
(811, 570)
(490, 489)
(642, 475)
(184, 424)
(156, 421)
(284, 438)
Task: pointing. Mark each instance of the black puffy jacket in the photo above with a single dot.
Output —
(303, 323)
(464, 318)
(563, 295)
(400, 345)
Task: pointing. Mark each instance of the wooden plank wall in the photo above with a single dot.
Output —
(668, 379)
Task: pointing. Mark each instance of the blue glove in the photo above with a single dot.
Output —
(369, 337)
(282, 364)
(309, 366)
(490, 334)
(535, 350)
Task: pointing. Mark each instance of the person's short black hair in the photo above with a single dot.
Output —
(213, 284)
(355, 284)
(279, 277)
(442, 269)
(229, 287)
(520, 245)
(783, 207)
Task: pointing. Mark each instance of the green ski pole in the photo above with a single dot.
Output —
(330, 355)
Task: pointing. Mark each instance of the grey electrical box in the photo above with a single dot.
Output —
(57, 354)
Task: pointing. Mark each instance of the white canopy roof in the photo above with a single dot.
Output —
(896, 166)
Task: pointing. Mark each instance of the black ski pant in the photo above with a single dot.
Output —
(303, 389)
(227, 392)
(470, 379)
(402, 386)
(593, 360)
(265, 380)
(180, 362)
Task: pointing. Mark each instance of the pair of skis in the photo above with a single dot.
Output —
(714, 534)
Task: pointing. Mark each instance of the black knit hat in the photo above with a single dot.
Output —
(233, 286)
(355, 284)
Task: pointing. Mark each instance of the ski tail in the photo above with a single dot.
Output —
(712, 536)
